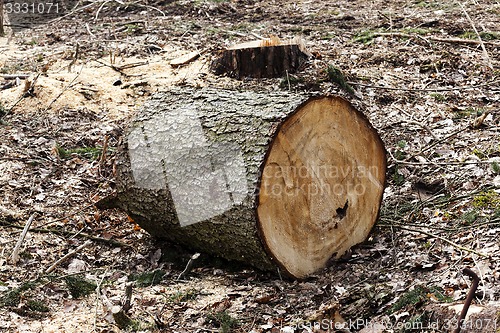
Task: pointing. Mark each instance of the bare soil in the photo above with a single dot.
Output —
(417, 68)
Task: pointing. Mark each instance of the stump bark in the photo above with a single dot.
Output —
(263, 178)
(2, 31)
(266, 58)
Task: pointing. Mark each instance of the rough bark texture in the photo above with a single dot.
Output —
(247, 119)
(260, 60)
(236, 132)
(2, 31)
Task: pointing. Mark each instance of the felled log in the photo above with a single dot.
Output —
(261, 58)
(263, 178)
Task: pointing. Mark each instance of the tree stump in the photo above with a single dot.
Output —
(267, 58)
(263, 178)
(2, 31)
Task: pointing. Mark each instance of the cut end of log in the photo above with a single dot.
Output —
(265, 58)
(321, 185)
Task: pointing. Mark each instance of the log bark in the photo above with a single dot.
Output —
(262, 178)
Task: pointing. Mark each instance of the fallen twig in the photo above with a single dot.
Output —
(132, 65)
(65, 88)
(65, 233)
(88, 30)
(433, 236)
(102, 159)
(97, 298)
(67, 216)
(99, 9)
(67, 256)
(15, 76)
(461, 41)
(23, 96)
(425, 127)
(400, 34)
(15, 254)
(151, 7)
(437, 163)
(434, 39)
(75, 57)
(424, 89)
(133, 84)
(112, 67)
(485, 53)
(406, 160)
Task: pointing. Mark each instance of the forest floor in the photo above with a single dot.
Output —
(427, 85)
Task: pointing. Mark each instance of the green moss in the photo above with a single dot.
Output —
(479, 153)
(290, 80)
(426, 4)
(86, 152)
(399, 155)
(397, 177)
(495, 167)
(417, 31)
(487, 36)
(132, 28)
(37, 306)
(3, 110)
(11, 298)
(30, 42)
(335, 75)
(486, 199)
(213, 31)
(183, 296)
(328, 36)
(419, 296)
(438, 97)
(26, 255)
(470, 217)
(224, 320)
(147, 278)
(460, 114)
(13, 68)
(79, 287)
(365, 37)
(494, 9)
